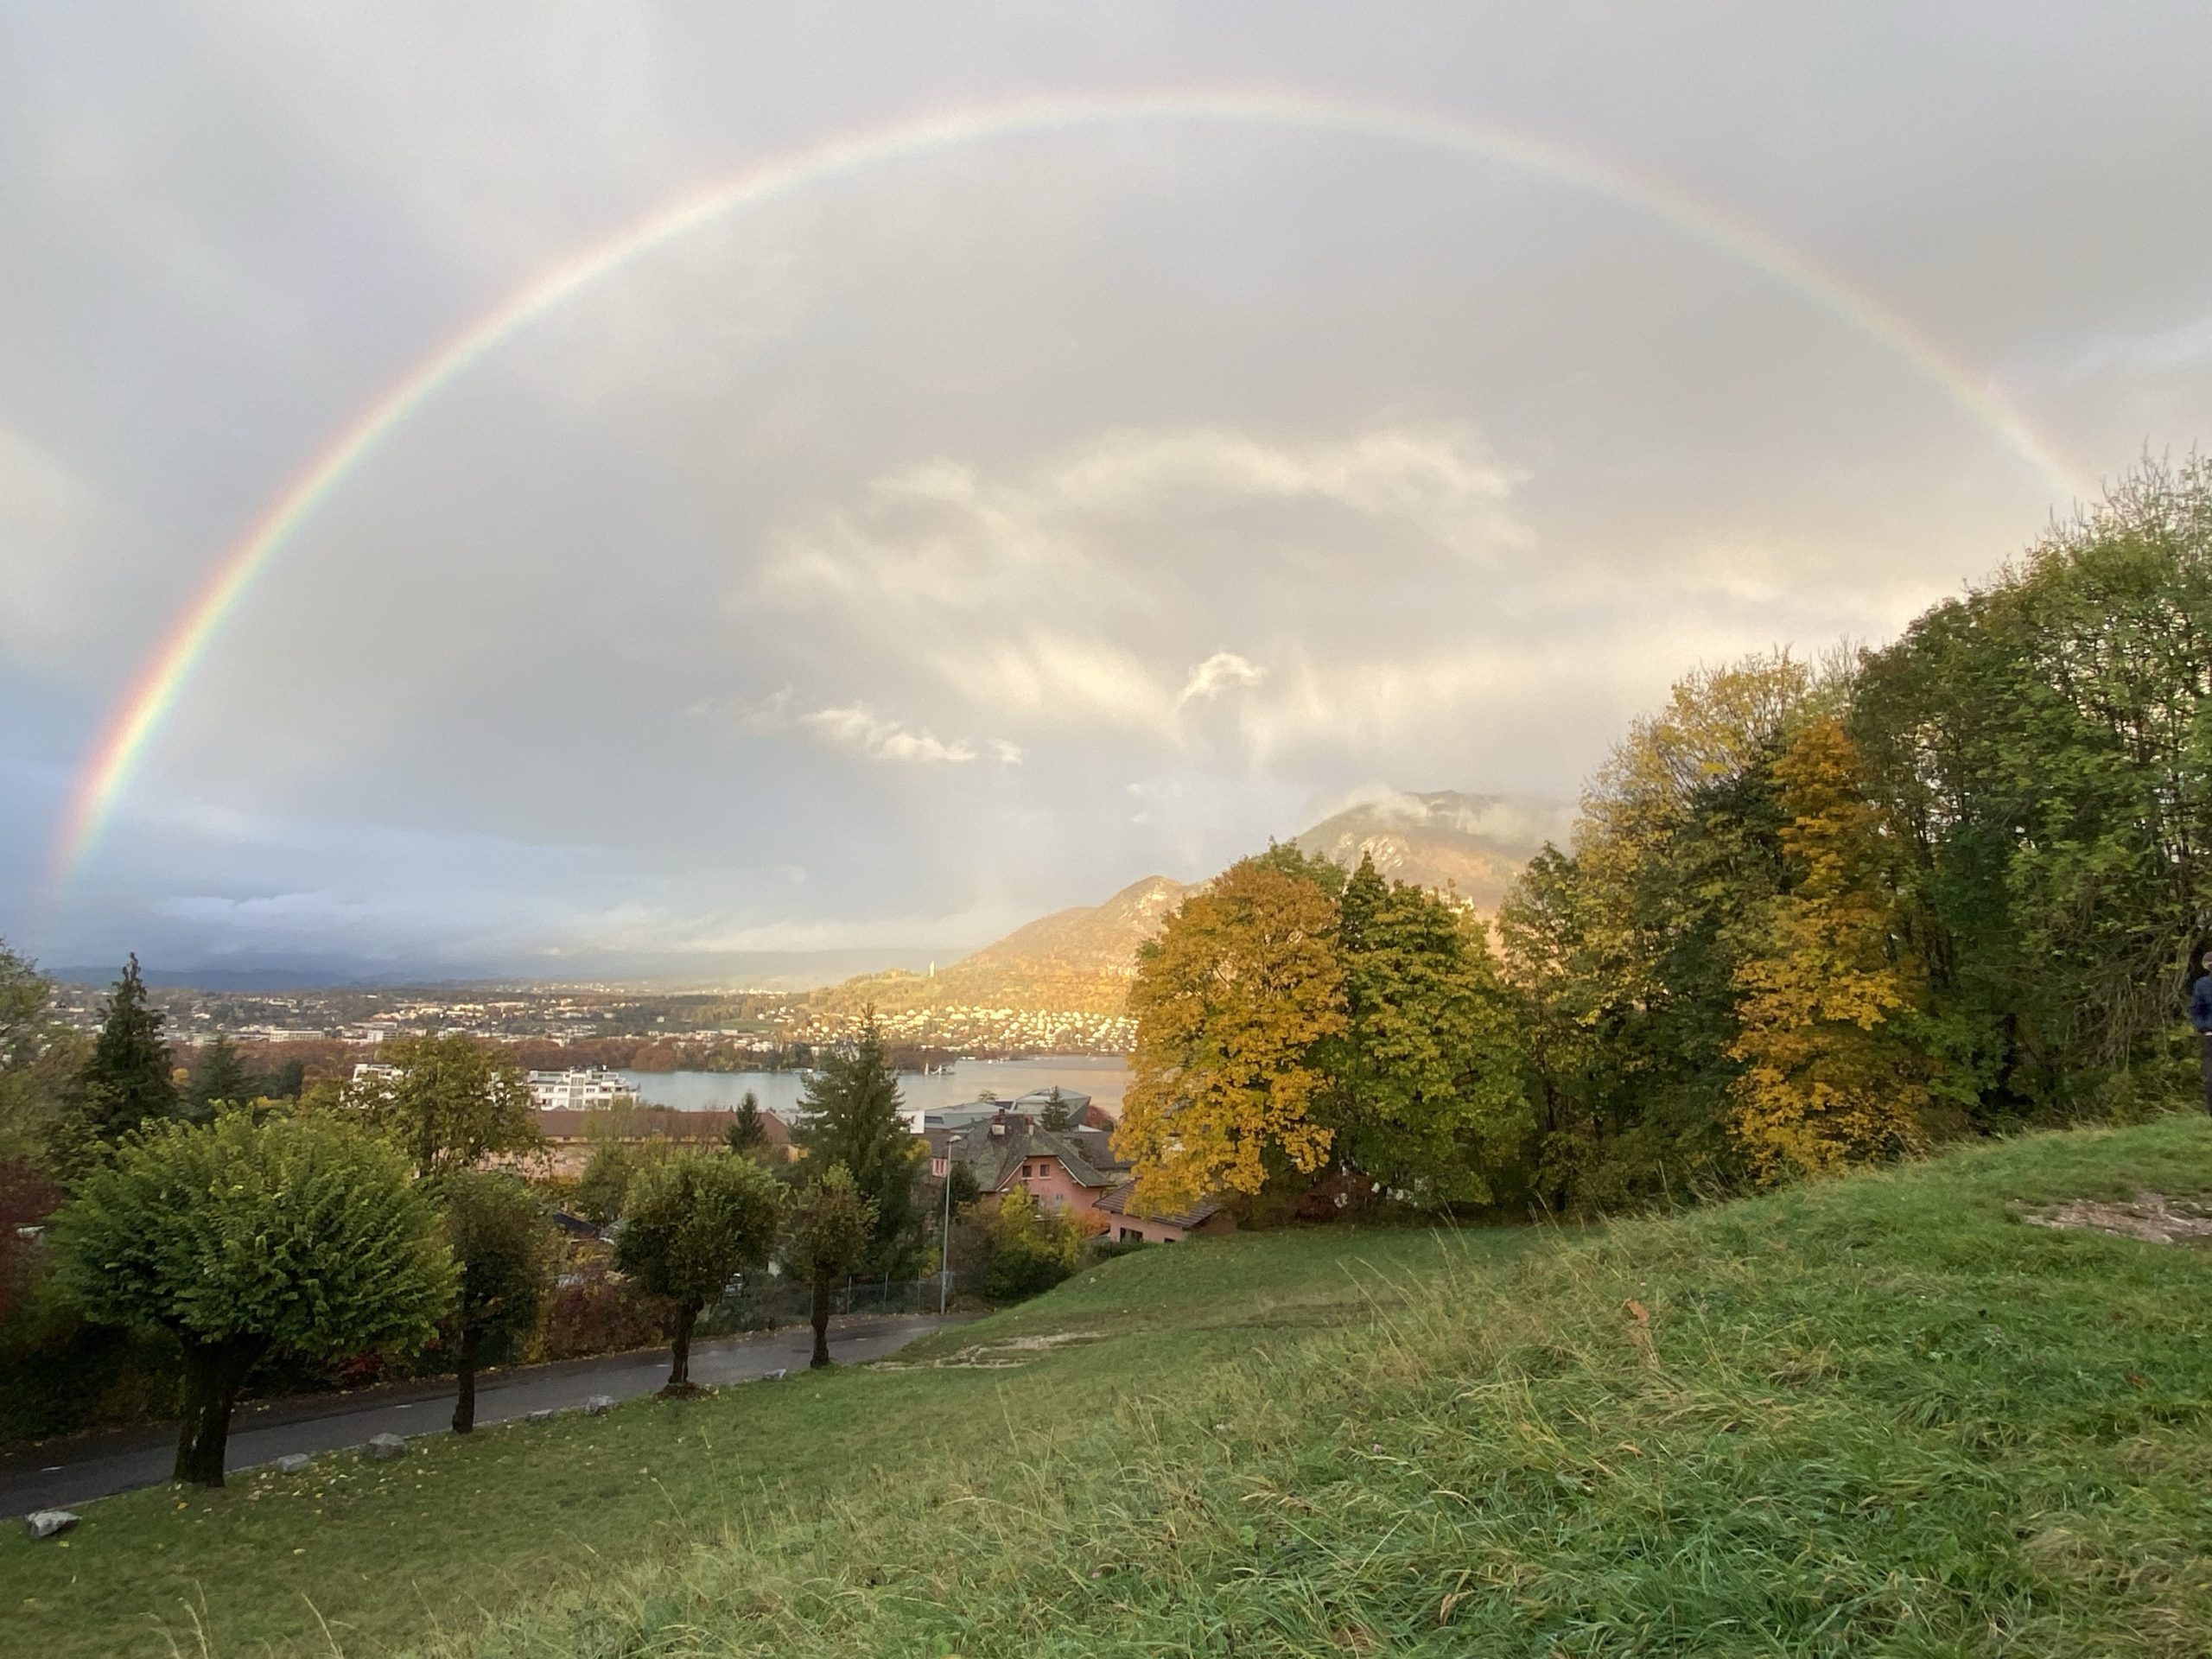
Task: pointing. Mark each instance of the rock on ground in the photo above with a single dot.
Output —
(47, 1524)
(386, 1445)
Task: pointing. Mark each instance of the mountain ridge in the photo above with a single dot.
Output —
(1080, 959)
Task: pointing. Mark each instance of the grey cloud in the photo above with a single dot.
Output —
(1014, 519)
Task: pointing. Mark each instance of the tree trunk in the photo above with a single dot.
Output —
(821, 1323)
(213, 1373)
(464, 1407)
(679, 1348)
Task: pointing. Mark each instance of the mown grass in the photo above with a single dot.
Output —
(1878, 1416)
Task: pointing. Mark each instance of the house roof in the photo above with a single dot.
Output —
(1116, 1203)
(995, 1149)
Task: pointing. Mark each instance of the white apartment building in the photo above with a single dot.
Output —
(579, 1090)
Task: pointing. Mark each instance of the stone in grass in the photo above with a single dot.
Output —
(543, 1415)
(293, 1463)
(47, 1523)
(598, 1404)
(386, 1445)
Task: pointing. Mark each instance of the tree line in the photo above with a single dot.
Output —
(387, 1213)
(1815, 914)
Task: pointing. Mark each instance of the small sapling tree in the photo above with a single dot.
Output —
(691, 1223)
(299, 1235)
(828, 1236)
(496, 1228)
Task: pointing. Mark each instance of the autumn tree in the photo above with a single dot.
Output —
(852, 1114)
(496, 1228)
(827, 1236)
(1424, 1096)
(1623, 952)
(448, 1102)
(1833, 1075)
(1231, 1002)
(298, 1236)
(692, 1222)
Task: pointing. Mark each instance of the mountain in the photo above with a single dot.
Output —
(1090, 938)
(1078, 960)
(1473, 845)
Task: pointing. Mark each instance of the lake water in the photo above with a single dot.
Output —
(1102, 1078)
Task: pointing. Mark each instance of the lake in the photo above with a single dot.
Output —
(1103, 1077)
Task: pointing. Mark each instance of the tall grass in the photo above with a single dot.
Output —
(1876, 1415)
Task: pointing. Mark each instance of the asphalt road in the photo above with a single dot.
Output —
(64, 1472)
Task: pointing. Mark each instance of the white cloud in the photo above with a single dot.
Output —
(1218, 673)
(860, 728)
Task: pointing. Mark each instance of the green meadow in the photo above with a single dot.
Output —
(1876, 1415)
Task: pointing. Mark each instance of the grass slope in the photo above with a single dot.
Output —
(1873, 1416)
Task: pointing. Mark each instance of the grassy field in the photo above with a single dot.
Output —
(1875, 1415)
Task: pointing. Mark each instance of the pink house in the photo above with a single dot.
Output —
(1071, 1170)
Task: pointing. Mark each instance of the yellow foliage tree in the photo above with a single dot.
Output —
(1830, 1080)
(1229, 1002)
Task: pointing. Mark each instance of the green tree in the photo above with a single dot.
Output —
(1425, 1097)
(446, 1102)
(692, 1222)
(218, 1079)
(1231, 1003)
(852, 1114)
(1024, 1249)
(1623, 955)
(606, 1180)
(299, 1236)
(39, 1057)
(126, 1080)
(827, 1235)
(496, 1228)
(747, 1134)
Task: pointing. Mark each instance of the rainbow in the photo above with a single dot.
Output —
(157, 687)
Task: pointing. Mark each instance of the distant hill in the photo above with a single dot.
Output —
(1470, 844)
(1078, 960)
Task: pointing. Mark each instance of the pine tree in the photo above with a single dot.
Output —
(126, 1082)
(219, 1077)
(854, 1116)
(747, 1134)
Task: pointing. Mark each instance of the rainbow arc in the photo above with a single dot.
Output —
(168, 670)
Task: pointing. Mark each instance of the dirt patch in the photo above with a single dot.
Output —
(1002, 1355)
(2152, 1217)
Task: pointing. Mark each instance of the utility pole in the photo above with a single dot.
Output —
(944, 1245)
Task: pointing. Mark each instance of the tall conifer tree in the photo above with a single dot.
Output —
(127, 1081)
(854, 1116)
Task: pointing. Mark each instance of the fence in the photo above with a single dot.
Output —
(756, 1306)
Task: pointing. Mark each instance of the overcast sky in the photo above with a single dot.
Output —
(975, 529)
